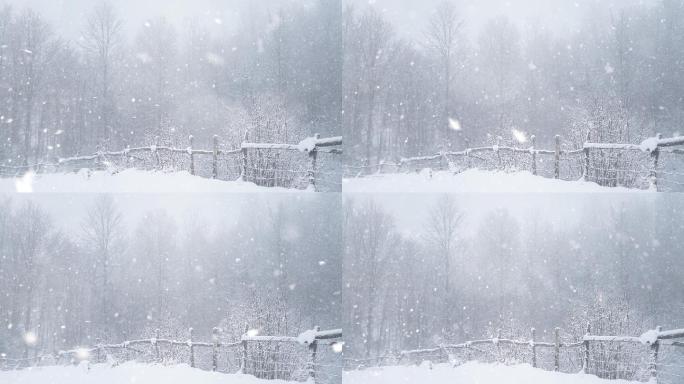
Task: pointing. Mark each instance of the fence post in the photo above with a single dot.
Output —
(534, 155)
(215, 348)
(156, 152)
(192, 155)
(556, 347)
(312, 364)
(654, 357)
(586, 158)
(498, 344)
(312, 171)
(97, 349)
(498, 152)
(243, 369)
(534, 348)
(654, 172)
(215, 158)
(191, 346)
(243, 176)
(556, 166)
(157, 333)
(468, 354)
(586, 350)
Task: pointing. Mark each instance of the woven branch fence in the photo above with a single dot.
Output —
(313, 164)
(656, 356)
(266, 357)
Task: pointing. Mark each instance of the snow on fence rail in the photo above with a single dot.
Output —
(312, 164)
(267, 357)
(655, 356)
(608, 164)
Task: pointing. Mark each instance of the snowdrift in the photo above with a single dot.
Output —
(471, 373)
(128, 373)
(127, 181)
(470, 181)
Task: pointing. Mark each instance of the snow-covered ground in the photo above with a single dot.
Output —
(127, 181)
(128, 373)
(470, 181)
(469, 373)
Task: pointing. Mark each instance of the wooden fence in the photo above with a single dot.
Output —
(656, 355)
(266, 357)
(297, 166)
(629, 165)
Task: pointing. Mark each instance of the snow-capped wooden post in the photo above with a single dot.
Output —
(556, 160)
(533, 347)
(157, 333)
(192, 155)
(243, 369)
(214, 348)
(586, 350)
(533, 151)
(245, 158)
(312, 170)
(214, 173)
(655, 155)
(191, 346)
(313, 347)
(556, 349)
(653, 365)
(587, 154)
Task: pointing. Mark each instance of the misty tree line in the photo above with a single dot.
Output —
(113, 280)
(617, 268)
(619, 77)
(277, 76)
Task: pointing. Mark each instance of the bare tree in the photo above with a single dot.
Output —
(33, 56)
(102, 230)
(374, 42)
(442, 227)
(442, 36)
(101, 39)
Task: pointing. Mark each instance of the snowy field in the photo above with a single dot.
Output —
(470, 181)
(469, 373)
(128, 373)
(127, 181)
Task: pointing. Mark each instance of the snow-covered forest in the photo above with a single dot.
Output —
(110, 268)
(328, 191)
(271, 69)
(419, 81)
(424, 270)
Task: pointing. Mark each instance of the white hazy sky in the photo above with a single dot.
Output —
(68, 16)
(558, 210)
(409, 16)
(68, 211)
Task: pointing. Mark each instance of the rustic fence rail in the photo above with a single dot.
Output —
(655, 356)
(631, 165)
(312, 164)
(286, 358)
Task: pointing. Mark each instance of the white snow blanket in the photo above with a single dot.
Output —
(128, 373)
(127, 181)
(470, 181)
(470, 373)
